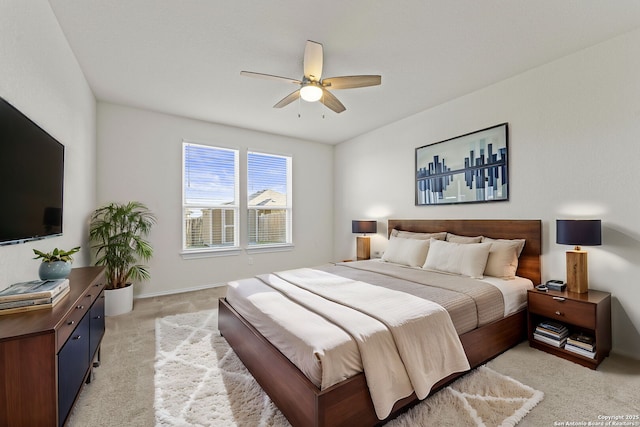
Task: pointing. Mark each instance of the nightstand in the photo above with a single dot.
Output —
(588, 313)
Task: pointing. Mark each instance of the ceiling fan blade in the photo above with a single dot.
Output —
(288, 99)
(269, 77)
(331, 102)
(313, 61)
(348, 82)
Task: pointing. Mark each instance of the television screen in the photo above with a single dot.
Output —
(31, 179)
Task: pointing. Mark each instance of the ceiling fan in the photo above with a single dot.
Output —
(312, 86)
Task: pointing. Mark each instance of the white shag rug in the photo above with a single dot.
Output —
(199, 381)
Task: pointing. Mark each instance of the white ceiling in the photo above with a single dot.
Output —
(184, 57)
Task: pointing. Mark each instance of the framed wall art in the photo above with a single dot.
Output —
(470, 168)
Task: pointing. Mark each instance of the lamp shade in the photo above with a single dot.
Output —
(359, 226)
(579, 232)
(311, 92)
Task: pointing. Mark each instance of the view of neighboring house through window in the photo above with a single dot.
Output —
(268, 199)
(210, 197)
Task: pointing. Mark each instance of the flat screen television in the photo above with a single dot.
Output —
(31, 179)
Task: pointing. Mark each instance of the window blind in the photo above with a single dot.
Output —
(268, 199)
(210, 197)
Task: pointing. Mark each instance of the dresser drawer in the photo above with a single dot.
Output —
(81, 307)
(73, 363)
(577, 313)
(71, 322)
(90, 295)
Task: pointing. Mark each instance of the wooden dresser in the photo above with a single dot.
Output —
(46, 355)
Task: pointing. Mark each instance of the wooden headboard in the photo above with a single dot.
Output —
(529, 229)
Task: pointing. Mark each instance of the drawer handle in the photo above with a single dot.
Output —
(89, 296)
(80, 307)
(77, 337)
(558, 298)
(98, 317)
(71, 322)
(559, 313)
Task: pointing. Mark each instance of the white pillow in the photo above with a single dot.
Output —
(454, 238)
(411, 252)
(503, 258)
(458, 258)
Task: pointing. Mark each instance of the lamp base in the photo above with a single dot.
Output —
(577, 273)
(363, 248)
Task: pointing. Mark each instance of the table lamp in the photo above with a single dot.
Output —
(580, 232)
(363, 245)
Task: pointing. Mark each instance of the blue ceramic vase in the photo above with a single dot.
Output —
(54, 270)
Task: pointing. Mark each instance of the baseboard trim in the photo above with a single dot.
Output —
(179, 291)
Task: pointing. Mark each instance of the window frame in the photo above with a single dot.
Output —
(288, 208)
(201, 252)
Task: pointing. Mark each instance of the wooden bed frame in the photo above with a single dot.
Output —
(349, 403)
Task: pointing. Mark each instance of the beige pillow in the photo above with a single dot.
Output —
(411, 252)
(454, 238)
(520, 242)
(422, 236)
(458, 258)
(503, 258)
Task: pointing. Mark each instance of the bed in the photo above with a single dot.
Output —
(349, 402)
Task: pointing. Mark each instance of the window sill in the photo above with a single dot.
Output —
(209, 253)
(269, 248)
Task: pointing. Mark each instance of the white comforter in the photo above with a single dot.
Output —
(406, 343)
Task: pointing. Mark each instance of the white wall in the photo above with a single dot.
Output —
(40, 76)
(140, 158)
(574, 128)
(574, 147)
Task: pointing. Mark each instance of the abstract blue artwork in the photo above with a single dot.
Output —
(470, 168)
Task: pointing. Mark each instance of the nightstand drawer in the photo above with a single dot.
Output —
(563, 309)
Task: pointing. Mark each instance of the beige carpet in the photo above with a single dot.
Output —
(200, 381)
(122, 392)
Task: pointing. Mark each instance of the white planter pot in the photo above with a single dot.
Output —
(118, 301)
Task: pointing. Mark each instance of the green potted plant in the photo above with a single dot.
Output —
(118, 233)
(55, 264)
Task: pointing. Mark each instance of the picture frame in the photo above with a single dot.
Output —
(470, 168)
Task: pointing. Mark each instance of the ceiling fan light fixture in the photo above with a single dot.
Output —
(311, 92)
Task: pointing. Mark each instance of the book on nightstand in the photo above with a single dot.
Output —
(580, 351)
(582, 344)
(552, 333)
(556, 327)
(551, 341)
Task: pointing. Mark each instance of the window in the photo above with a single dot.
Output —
(268, 199)
(210, 208)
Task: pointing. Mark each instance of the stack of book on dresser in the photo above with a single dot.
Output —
(581, 344)
(33, 295)
(552, 333)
